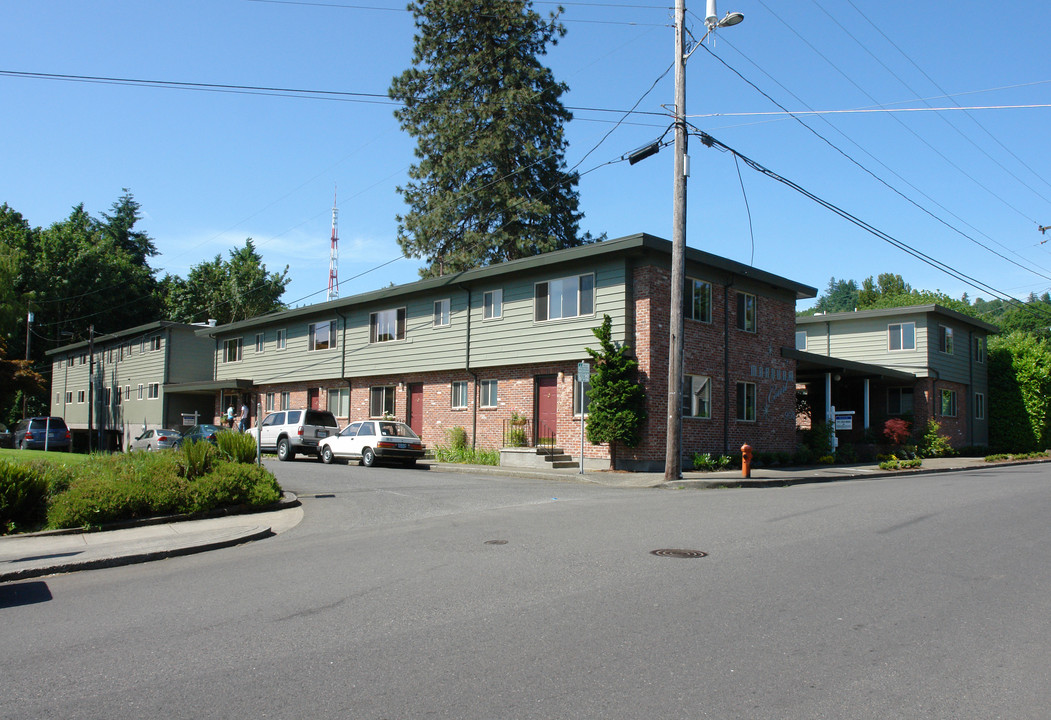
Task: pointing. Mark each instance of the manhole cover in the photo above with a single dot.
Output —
(495, 542)
(679, 553)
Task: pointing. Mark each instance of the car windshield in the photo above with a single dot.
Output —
(396, 430)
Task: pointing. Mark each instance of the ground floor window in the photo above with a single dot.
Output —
(270, 402)
(339, 402)
(979, 406)
(381, 401)
(489, 393)
(899, 400)
(696, 396)
(459, 395)
(286, 400)
(746, 401)
(949, 403)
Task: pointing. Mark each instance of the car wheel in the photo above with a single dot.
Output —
(22, 445)
(326, 455)
(284, 450)
(368, 457)
(149, 448)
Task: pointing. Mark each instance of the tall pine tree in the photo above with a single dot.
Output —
(616, 401)
(491, 183)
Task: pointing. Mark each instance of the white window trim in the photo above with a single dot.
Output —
(443, 313)
(312, 335)
(281, 341)
(394, 398)
(742, 314)
(226, 351)
(901, 337)
(755, 403)
(563, 316)
(404, 330)
(690, 300)
(979, 406)
(489, 384)
(707, 385)
(498, 307)
(453, 395)
(152, 389)
(260, 343)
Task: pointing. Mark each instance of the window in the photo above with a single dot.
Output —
(696, 396)
(489, 393)
(106, 395)
(441, 313)
(259, 342)
(232, 350)
(949, 403)
(459, 395)
(381, 401)
(140, 391)
(564, 298)
(800, 339)
(282, 338)
(945, 339)
(117, 395)
(899, 400)
(339, 402)
(286, 400)
(83, 358)
(155, 390)
(387, 326)
(901, 336)
(576, 397)
(69, 398)
(979, 350)
(493, 305)
(323, 335)
(269, 402)
(80, 396)
(155, 342)
(698, 300)
(979, 406)
(746, 312)
(746, 401)
(127, 392)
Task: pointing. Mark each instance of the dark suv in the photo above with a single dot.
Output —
(35, 433)
(295, 431)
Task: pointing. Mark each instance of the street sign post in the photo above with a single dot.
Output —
(583, 377)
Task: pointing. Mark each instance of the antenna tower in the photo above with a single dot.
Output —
(333, 257)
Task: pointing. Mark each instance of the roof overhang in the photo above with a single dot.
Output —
(208, 387)
(810, 367)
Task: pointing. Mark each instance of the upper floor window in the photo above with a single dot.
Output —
(945, 343)
(800, 339)
(282, 338)
(387, 325)
(322, 335)
(696, 396)
(492, 304)
(441, 313)
(901, 336)
(979, 406)
(979, 350)
(564, 298)
(155, 342)
(259, 342)
(154, 390)
(232, 350)
(746, 312)
(698, 299)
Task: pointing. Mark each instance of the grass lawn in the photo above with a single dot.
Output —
(61, 458)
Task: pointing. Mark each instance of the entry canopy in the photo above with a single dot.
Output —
(811, 367)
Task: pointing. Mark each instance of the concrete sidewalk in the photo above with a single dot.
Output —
(48, 553)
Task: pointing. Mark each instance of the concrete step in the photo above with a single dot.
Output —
(564, 464)
(557, 458)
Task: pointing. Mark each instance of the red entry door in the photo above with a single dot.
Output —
(314, 399)
(416, 408)
(546, 409)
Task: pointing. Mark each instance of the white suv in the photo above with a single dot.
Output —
(295, 431)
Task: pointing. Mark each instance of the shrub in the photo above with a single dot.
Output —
(236, 447)
(896, 430)
(895, 464)
(195, 459)
(23, 497)
(933, 444)
(826, 460)
(516, 437)
(457, 437)
(818, 439)
(466, 455)
(234, 484)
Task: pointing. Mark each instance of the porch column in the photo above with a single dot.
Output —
(866, 403)
(828, 398)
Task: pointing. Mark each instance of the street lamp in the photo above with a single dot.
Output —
(673, 450)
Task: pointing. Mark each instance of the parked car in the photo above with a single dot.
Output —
(373, 440)
(200, 432)
(155, 440)
(289, 432)
(7, 438)
(35, 433)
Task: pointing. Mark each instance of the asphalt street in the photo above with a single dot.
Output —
(406, 594)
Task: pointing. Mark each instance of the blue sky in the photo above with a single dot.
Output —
(211, 168)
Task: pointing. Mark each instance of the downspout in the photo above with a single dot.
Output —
(726, 366)
(165, 377)
(343, 360)
(474, 375)
(828, 339)
(970, 388)
(215, 375)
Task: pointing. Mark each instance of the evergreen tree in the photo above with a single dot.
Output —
(490, 184)
(616, 401)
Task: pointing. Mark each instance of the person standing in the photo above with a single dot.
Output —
(243, 425)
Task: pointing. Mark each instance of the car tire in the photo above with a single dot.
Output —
(284, 450)
(326, 455)
(22, 445)
(368, 457)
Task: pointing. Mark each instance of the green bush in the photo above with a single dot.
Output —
(933, 444)
(195, 459)
(234, 484)
(236, 447)
(896, 464)
(23, 497)
(457, 438)
(466, 455)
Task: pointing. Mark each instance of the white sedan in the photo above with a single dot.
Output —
(372, 440)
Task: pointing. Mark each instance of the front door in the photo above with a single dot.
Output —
(416, 408)
(546, 409)
(314, 399)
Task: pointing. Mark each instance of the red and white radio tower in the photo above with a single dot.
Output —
(333, 258)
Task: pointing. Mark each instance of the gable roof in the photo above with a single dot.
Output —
(638, 244)
(120, 335)
(937, 310)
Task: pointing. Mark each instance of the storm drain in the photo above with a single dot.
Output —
(679, 553)
(495, 542)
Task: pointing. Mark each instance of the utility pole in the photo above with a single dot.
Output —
(29, 323)
(673, 450)
(91, 385)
